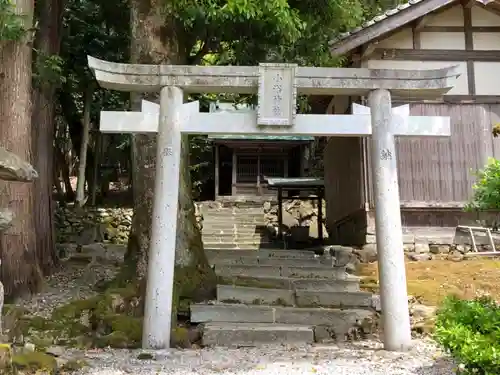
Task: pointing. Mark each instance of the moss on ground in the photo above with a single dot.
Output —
(431, 281)
(34, 361)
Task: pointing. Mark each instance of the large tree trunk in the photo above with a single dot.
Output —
(157, 39)
(20, 267)
(82, 164)
(48, 43)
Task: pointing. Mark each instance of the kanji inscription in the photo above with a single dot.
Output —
(277, 95)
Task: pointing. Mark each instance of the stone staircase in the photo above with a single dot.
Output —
(234, 227)
(284, 296)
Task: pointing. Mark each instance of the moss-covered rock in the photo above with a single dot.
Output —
(35, 361)
(5, 359)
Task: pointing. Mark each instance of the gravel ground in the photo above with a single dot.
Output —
(73, 281)
(362, 358)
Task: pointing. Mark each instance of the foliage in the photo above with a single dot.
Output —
(213, 32)
(487, 188)
(470, 331)
(48, 70)
(11, 24)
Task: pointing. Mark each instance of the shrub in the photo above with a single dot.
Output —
(470, 331)
(487, 187)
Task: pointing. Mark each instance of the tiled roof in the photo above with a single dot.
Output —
(387, 14)
(377, 19)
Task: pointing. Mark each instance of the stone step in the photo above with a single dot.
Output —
(261, 253)
(350, 284)
(241, 334)
(237, 245)
(300, 298)
(313, 272)
(335, 323)
(239, 215)
(238, 221)
(235, 238)
(255, 296)
(232, 233)
(256, 260)
(245, 227)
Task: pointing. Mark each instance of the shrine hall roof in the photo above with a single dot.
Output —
(393, 19)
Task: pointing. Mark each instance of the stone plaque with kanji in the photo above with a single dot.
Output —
(277, 95)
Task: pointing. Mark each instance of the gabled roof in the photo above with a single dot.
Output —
(389, 21)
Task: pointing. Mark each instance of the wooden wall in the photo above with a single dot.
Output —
(440, 169)
(344, 187)
(468, 37)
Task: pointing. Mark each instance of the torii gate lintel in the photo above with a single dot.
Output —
(277, 86)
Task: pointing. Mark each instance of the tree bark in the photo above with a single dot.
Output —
(20, 267)
(157, 39)
(48, 43)
(82, 165)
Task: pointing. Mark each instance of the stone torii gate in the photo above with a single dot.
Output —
(277, 86)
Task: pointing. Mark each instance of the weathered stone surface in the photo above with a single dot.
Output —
(321, 272)
(204, 313)
(239, 334)
(6, 217)
(421, 248)
(416, 257)
(259, 281)
(367, 254)
(342, 255)
(315, 272)
(255, 296)
(88, 225)
(327, 285)
(299, 219)
(439, 249)
(341, 320)
(13, 168)
(311, 298)
(419, 311)
(241, 270)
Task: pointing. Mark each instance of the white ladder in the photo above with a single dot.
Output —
(471, 231)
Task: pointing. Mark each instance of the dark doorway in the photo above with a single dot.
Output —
(225, 170)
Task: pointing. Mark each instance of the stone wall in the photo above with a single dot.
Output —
(300, 219)
(88, 225)
(432, 246)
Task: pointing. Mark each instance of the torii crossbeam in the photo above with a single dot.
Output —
(277, 86)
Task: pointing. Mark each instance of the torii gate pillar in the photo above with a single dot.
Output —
(277, 86)
(392, 272)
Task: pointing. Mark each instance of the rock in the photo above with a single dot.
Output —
(455, 256)
(419, 311)
(421, 248)
(13, 168)
(56, 351)
(29, 347)
(5, 358)
(439, 249)
(376, 303)
(416, 257)
(342, 255)
(288, 220)
(368, 254)
(6, 217)
(267, 207)
(408, 247)
(313, 229)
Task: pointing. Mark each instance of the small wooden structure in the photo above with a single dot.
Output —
(435, 179)
(303, 184)
(241, 161)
